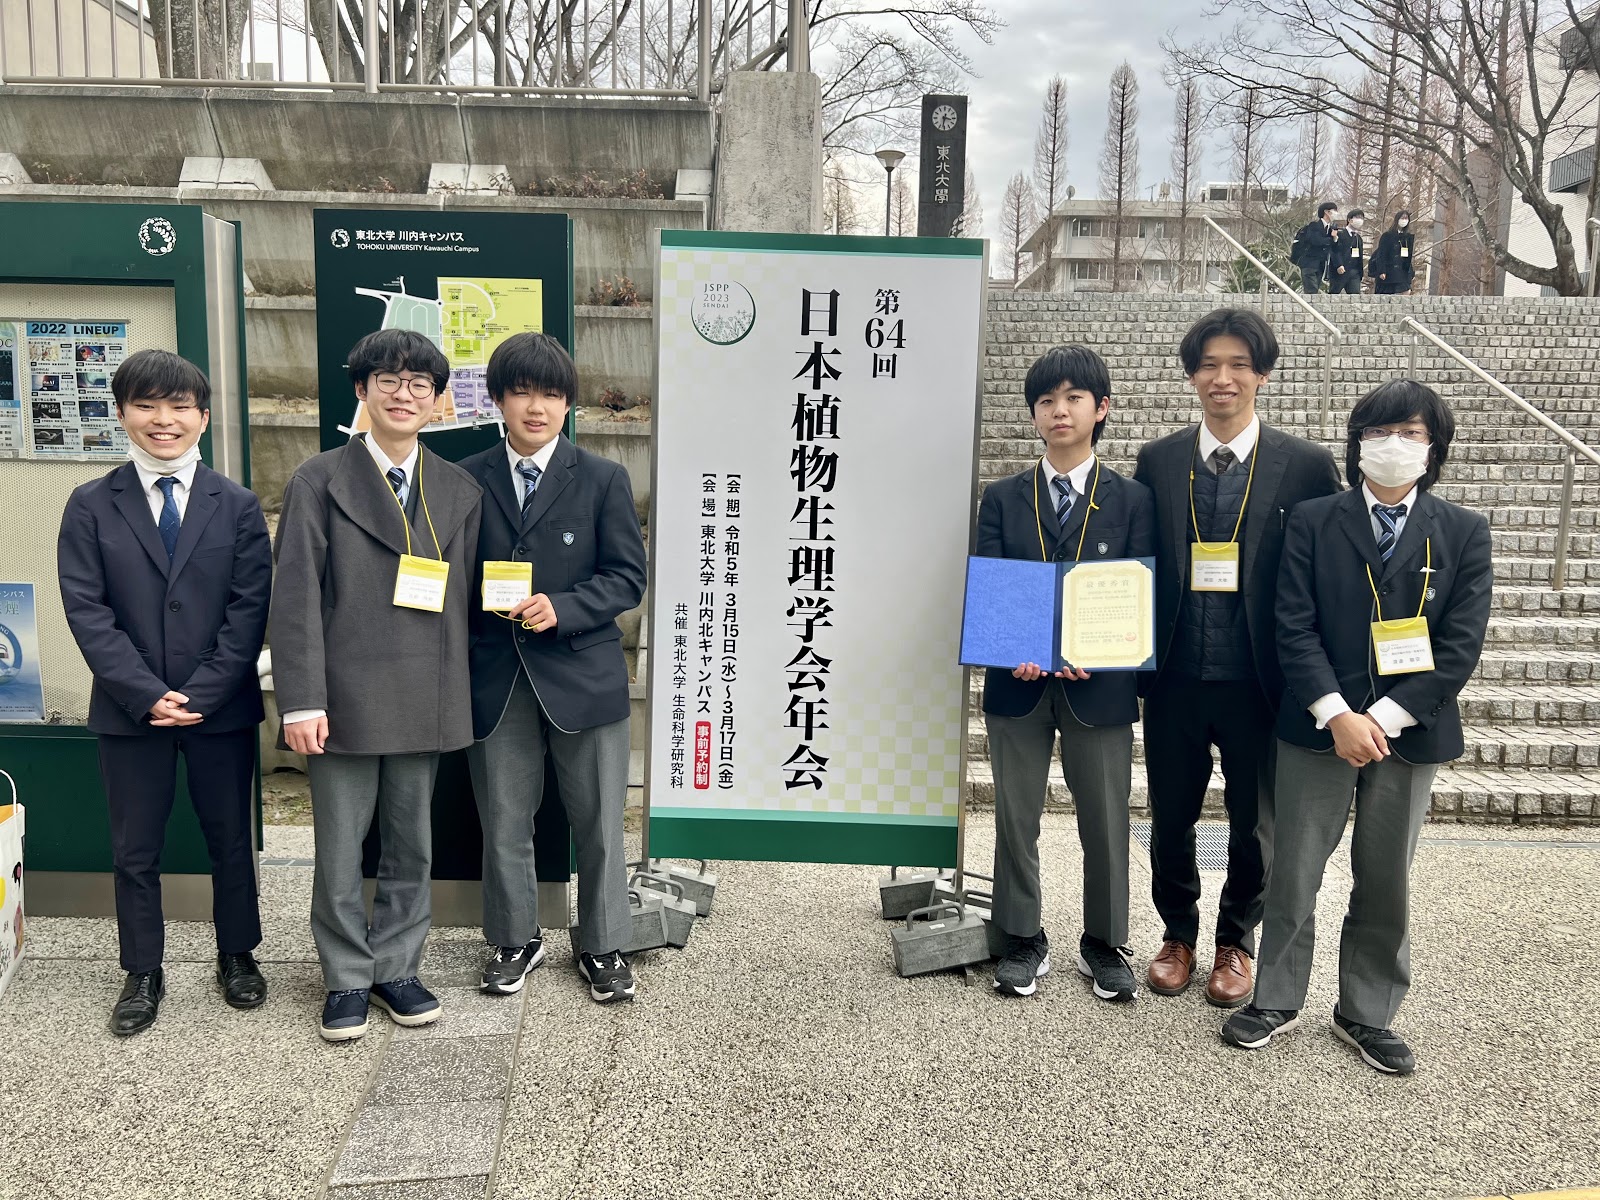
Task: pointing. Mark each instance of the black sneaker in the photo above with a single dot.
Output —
(1381, 1049)
(406, 1001)
(1025, 963)
(1108, 967)
(609, 978)
(1252, 1028)
(508, 967)
(344, 1015)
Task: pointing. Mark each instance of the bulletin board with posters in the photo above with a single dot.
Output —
(815, 457)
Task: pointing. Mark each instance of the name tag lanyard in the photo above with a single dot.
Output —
(1402, 646)
(1094, 487)
(1230, 548)
(508, 568)
(430, 574)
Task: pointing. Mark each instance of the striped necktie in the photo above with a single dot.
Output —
(397, 480)
(169, 522)
(1064, 498)
(1389, 518)
(530, 483)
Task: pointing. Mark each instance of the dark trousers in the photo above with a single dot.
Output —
(1311, 279)
(141, 775)
(1183, 719)
(1348, 284)
(1391, 286)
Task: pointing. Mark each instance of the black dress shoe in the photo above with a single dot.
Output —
(241, 981)
(139, 1002)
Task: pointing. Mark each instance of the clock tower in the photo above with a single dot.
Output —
(942, 167)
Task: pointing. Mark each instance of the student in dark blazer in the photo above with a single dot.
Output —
(1390, 267)
(1312, 246)
(1223, 489)
(1347, 258)
(1070, 507)
(369, 654)
(548, 675)
(1383, 600)
(166, 571)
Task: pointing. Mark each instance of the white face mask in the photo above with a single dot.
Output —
(1403, 222)
(1357, 222)
(1393, 461)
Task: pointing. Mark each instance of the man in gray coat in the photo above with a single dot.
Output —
(376, 547)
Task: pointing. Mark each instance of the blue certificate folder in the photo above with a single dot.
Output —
(1012, 614)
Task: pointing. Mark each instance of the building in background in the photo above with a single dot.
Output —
(1072, 248)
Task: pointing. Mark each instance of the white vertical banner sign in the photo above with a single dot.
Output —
(816, 428)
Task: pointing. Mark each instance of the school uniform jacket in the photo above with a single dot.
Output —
(1349, 251)
(1388, 260)
(147, 625)
(1288, 470)
(392, 680)
(1326, 609)
(1122, 525)
(582, 536)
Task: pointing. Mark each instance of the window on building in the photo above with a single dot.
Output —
(1088, 227)
(1090, 269)
(1153, 227)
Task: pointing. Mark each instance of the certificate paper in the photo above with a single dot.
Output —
(1108, 615)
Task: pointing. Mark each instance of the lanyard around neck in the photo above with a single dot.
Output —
(1243, 503)
(1038, 523)
(422, 499)
(1427, 571)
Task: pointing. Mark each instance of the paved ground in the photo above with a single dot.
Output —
(779, 1056)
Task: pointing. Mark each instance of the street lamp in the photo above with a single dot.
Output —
(890, 160)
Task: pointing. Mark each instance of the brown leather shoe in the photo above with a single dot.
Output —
(1230, 983)
(1172, 970)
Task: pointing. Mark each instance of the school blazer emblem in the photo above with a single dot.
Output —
(566, 538)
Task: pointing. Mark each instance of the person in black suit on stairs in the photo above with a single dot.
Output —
(1223, 490)
(1070, 506)
(166, 575)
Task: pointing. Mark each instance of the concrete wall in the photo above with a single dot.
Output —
(769, 153)
(346, 141)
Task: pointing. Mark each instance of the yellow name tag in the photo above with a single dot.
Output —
(506, 585)
(420, 583)
(1405, 251)
(1214, 568)
(1402, 647)
(1355, 251)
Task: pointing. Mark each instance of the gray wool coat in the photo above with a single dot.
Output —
(392, 680)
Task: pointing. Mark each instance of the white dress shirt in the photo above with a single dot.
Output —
(1242, 445)
(409, 468)
(1078, 477)
(157, 499)
(1391, 718)
(541, 459)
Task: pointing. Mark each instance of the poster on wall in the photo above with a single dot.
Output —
(464, 280)
(21, 687)
(815, 457)
(55, 389)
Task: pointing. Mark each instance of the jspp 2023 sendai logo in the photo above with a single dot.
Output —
(723, 313)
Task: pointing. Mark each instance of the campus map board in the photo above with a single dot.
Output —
(464, 280)
(815, 466)
(55, 389)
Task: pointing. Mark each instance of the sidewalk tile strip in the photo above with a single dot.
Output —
(461, 1187)
(442, 1070)
(471, 1013)
(420, 1141)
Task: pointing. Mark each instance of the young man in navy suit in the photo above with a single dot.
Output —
(166, 574)
(560, 538)
(1070, 507)
(1383, 600)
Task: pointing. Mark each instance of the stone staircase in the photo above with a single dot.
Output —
(1532, 710)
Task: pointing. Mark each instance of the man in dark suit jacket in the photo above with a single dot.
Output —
(1383, 600)
(1347, 257)
(560, 541)
(1070, 507)
(1312, 246)
(166, 573)
(1223, 490)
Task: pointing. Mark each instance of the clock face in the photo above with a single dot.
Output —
(944, 118)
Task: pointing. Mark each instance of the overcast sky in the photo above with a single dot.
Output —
(1083, 43)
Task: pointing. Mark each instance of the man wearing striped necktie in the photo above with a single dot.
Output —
(1383, 600)
(548, 675)
(1068, 507)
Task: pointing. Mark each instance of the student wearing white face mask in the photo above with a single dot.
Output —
(1390, 266)
(1383, 599)
(1347, 259)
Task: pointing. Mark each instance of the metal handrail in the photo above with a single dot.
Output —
(1333, 333)
(1574, 446)
(1594, 254)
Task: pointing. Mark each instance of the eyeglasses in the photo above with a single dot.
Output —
(419, 386)
(1377, 433)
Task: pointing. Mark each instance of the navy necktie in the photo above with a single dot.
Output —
(530, 483)
(1064, 499)
(1221, 459)
(169, 521)
(1389, 518)
(397, 480)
